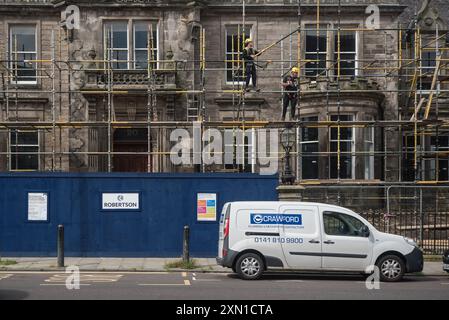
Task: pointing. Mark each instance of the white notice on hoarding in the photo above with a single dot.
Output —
(120, 201)
(37, 206)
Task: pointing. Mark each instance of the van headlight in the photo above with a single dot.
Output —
(411, 242)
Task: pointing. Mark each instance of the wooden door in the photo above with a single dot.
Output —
(130, 163)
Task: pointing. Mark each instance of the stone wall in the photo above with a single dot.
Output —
(178, 21)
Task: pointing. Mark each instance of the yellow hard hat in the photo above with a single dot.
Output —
(295, 70)
(249, 40)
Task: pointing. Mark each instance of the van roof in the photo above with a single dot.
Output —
(249, 203)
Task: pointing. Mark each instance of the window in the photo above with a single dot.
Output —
(443, 163)
(339, 224)
(141, 42)
(116, 38)
(348, 53)
(428, 66)
(316, 50)
(408, 158)
(23, 47)
(429, 61)
(309, 150)
(368, 134)
(433, 166)
(238, 147)
(24, 146)
(234, 46)
(342, 148)
(434, 160)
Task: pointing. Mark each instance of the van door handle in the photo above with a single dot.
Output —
(329, 242)
(314, 241)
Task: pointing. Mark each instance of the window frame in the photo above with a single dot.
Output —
(446, 148)
(311, 142)
(369, 158)
(248, 145)
(112, 50)
(12, 53)
(332, 50)
(426, 72)
(236, 53)
(356, 53)
(353, 147)
(314, 53)
(434, 162)
(131, 41)
(156, 41)
(18, 154)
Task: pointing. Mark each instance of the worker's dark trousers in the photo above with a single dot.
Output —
(251, 72)
(291, 101)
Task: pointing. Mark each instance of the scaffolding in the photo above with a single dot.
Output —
(422, 112)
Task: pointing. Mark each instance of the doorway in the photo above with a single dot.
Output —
(131, 141)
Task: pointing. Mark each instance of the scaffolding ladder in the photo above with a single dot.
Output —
(193, 107)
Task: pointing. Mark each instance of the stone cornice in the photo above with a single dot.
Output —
(104, 3)
(193, 3)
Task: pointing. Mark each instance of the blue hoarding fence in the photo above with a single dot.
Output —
(120, 215)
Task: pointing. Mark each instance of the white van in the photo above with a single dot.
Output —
(259, 236)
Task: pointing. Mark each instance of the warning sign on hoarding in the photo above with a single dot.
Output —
(207, 207)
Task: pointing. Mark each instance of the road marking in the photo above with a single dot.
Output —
(88, 272)
(60, 285)
(161, 285)
(6, 276)
(185, 284)
(184, 274)
(89, 278)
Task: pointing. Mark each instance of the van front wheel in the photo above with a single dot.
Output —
(250, 266)
(391, 268)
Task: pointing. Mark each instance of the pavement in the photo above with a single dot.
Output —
(109, 264)
(431, 268)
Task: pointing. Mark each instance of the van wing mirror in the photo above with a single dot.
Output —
(365, 232)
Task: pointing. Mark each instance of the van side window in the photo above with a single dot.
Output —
(339, 224)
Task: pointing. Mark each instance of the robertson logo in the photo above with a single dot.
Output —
(276, 219)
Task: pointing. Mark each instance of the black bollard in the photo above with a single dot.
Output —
(186, 245)
(60, 246)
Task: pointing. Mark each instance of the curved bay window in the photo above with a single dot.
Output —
(342, 145)
(309, 149)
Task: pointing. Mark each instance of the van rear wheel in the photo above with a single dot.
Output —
(250, 266)
(392, 268)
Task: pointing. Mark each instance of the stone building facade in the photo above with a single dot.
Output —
(95, 79)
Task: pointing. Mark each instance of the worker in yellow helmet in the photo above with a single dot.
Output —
(249, 56)
(290, 84)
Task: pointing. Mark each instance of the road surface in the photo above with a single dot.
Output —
(215, 286)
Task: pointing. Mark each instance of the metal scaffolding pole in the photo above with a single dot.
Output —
(427, 118)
